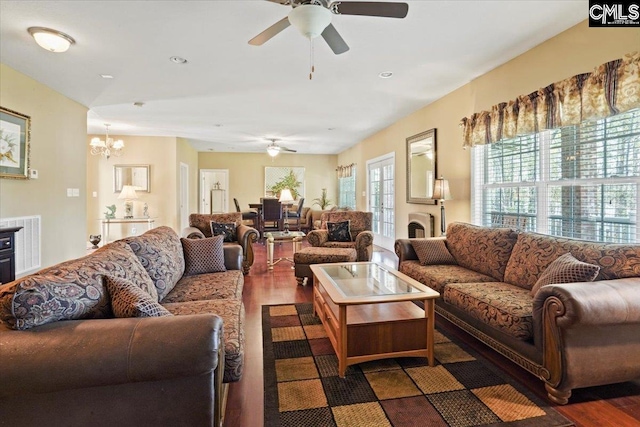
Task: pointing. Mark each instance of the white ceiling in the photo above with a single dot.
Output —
(230, 96)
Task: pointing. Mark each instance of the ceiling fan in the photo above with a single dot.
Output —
(274, 149)
(313, 18)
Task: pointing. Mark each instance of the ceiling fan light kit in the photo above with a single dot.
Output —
(310, 19)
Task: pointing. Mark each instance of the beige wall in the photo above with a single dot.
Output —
(160, 154)
(188, 155)
(58, 152)
(574, 51)
(246, 174)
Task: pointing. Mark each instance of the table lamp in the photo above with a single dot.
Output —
(441, 193)
(286, 198)
(128, 194)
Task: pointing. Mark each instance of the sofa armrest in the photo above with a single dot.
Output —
(364, 245)
(98, 352)
(318, 237)
(192, 233)
(233, 256)
(246, 236)
(404, 250)
(601, 303)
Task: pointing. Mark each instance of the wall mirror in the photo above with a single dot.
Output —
(136, 175)
(421, 167)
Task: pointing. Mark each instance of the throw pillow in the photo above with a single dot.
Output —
(228, 230)
(432, 251)
(566, 269)
(339, 231)
(203, 255)
(128, 300)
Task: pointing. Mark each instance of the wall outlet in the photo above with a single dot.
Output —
(95, 194)
(134, 230)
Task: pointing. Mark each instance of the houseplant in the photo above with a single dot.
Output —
(322, 201)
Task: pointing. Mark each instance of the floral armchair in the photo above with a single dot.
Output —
(200, 227)
(360, 228)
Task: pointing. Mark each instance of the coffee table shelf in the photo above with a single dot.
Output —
(378, 319)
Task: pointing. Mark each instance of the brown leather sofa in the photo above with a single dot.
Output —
(570, 335)
(66, 361)
(200, 227)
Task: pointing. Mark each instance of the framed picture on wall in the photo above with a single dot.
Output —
(15, 131)
(279, 178)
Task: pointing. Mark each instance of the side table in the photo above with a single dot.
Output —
(107, 222)
(292, 236)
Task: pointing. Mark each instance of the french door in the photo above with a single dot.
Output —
(381, 200)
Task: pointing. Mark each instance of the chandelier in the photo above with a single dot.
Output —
(108, 147)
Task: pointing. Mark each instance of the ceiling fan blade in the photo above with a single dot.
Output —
(288, 150)
(282, 2)
(334, 40)
(270, 32)
(370, 8)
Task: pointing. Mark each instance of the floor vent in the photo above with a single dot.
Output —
(28, 252)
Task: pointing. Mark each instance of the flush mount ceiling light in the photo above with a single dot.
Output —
(385, 75)
(51, 40)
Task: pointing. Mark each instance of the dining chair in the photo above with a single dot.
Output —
(249, 215)
(297, 214)
(271, 215)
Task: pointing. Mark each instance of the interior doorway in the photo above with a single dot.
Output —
(214, 191)
(184, 195)
(381, 199)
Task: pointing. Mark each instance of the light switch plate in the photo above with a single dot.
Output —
(33, 173)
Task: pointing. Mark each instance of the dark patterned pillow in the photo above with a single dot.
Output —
(339, 231)
(128, 300)
(203, 255)
(432, 252)
(566, 269)
(228, 230)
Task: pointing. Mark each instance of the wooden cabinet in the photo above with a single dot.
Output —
(7, 254)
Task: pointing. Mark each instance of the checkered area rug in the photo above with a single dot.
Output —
(303, 389)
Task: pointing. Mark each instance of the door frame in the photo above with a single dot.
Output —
(183, 197)
(379, 240)
(201, 189)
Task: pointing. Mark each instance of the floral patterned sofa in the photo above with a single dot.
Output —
(245, 236)
(566, 310)
(360, 229)
(70, 345)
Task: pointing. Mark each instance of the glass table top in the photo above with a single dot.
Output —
(278, 235)
(368, 279)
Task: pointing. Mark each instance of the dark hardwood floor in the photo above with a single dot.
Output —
(616, 405)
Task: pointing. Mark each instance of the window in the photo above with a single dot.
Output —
(347, 191)
(579, 181)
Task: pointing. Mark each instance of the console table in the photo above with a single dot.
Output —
(107, 222)
(7, 254)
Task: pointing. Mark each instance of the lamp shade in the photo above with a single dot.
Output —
(286, 196)
(128, 193)
(310, 19)
(441, 190)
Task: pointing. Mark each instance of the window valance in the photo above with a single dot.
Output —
(345, 171)
(610, 89)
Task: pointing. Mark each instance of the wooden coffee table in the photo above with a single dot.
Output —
(368, 312)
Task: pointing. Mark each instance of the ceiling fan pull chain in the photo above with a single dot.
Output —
(313, 69)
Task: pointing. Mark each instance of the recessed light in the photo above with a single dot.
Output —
(178, 60)
(138, 104)
(385, 74)
(51, 40)
(331, 128)
(218, 125)
(106, 76)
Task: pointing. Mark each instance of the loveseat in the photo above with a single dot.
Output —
(571, 332)
(245, 236)
(359, 236)
(65, 359)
